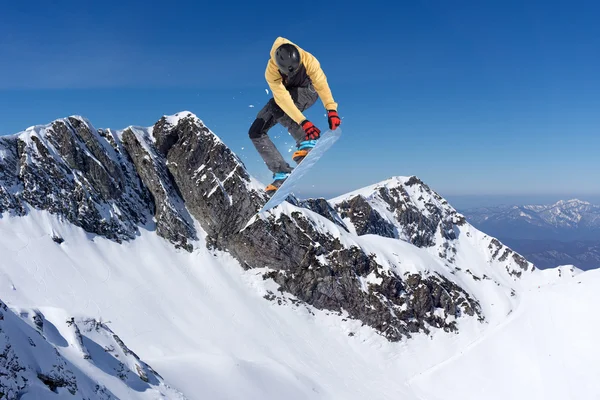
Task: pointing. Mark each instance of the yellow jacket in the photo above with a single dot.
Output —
(315, 73)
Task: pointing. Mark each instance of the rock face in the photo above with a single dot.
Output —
(405, 208)
(214, 183)
(93, 179)
(67, 170)
(172, 218)
(178, 172)
(318, 269)
(36, 357)
(365, 219)
(321, 207)
(411, 211)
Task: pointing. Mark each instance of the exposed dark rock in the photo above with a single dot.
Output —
(318, 270)
(9, 179)
(502, 253)
(83, 174)
(172, 219)
(59, 173)
(58, 379)
(57, 239)
(416, 225)
(27, 356)
(213, 181)
(12, 372)
(321, 207)
(93, 180)
(365, 219)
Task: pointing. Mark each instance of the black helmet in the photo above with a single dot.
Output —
(287, 58)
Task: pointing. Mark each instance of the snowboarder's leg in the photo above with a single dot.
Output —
(265, 120)
(278, 180)
(304, 97)
(269, 116)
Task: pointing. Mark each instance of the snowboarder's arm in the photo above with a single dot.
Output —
(280, 93)
(319, 80)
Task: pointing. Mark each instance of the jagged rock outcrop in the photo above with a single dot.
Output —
(65, 170)
(310, 264)
(9, 181)
(92, 179)
(172, 218)
(416, 217)
(212, 180)
(321, 207)
(178, 170)
(318, 269)
(365, 219)
(408, 209)
(502, 253)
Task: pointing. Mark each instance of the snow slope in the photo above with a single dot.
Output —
(70, 358)
(547, 349)
(203, 324)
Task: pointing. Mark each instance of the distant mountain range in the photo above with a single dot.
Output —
(565, 220)
(550, 253)
(566, 232)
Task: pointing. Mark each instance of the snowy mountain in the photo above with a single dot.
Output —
(584, 254)
(75, 358)
(385, 292)
(565, 220)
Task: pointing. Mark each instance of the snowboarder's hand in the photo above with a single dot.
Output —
(334, 119)
(312, 132)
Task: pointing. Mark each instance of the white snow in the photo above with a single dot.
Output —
(546, 349)
(201, 322)
(175, 118)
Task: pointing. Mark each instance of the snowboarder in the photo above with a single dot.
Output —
(296, 81)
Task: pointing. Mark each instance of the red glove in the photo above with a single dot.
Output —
(312, 132)
(334, 119)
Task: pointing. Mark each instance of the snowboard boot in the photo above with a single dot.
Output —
(303, 149)
(278, 179)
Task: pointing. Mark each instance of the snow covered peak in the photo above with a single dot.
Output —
(571, 202)
(405, 208)
(572, 214)
(572, 219)
(175, 118)
(183, 174)
(411, 210)
(41, 128)
(572, 205)
(391, 183)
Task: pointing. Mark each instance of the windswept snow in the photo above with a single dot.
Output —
(547, 349)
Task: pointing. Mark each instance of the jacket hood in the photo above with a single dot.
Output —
(278, 42)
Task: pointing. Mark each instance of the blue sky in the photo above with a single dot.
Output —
(474, 97)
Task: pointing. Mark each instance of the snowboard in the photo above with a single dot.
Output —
(324, 143)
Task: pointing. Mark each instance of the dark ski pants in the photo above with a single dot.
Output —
(269, 116)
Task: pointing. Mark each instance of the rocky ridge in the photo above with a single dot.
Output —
(165, 177)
